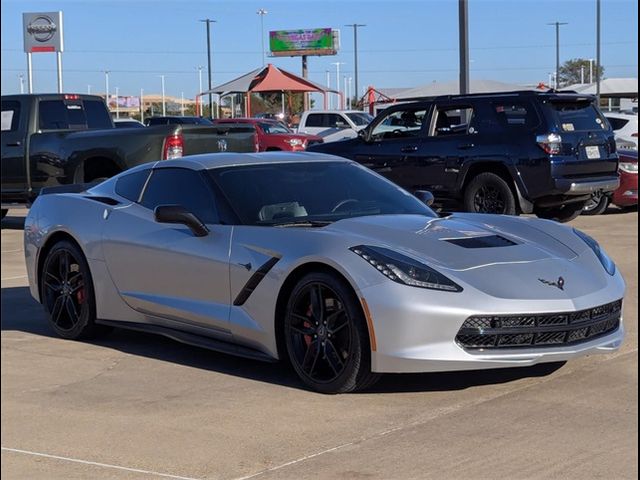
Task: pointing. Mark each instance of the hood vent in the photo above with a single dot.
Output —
(488, 241)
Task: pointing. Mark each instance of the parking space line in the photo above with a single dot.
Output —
(13, 278)
(97, 464)
(11, 251)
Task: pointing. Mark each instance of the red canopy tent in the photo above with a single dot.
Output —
(269, 79)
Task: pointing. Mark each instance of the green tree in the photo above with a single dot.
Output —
(572, 70)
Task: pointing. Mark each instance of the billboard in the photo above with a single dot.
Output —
(123, 102)
(42, 32)
(293, 43)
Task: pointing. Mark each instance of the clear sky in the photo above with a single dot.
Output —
(405, 43)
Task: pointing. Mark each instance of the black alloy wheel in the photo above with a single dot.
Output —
(597, 204)
(326, 336)
(67, 292)
(489, 193)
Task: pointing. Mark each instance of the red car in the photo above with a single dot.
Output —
(627, 193)
(274, 135)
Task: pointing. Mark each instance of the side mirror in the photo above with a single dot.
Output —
(364, 134)
(341, 125)
(179, 214)
(425, 197)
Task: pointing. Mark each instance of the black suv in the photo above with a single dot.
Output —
(505, 153)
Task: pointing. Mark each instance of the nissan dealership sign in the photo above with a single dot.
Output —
(42, 32)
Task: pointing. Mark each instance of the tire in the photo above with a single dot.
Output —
(4, 213)
(597, 205)
(326, 336)
(67, 293)
(562, 214)
(489, 193)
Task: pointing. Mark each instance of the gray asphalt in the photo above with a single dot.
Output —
(137, 406)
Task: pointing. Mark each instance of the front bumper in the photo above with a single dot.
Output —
(627, 194)
(415, 329)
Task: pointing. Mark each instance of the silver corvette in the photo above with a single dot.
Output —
(316, 260)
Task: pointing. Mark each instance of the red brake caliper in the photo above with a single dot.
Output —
(306, 324)
(80, 296)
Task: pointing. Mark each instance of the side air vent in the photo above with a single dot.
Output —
(105, 200)
(489, 241)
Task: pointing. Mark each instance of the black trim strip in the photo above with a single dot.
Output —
(254, 281)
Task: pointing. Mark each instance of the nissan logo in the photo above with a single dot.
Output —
(42, 28)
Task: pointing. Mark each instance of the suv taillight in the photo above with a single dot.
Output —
(173, 147)
(550, 143)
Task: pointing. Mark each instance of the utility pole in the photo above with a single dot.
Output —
(262, 12)
(337, 64)
(598, 59)
(463, 32)
(208, 21)
(355, 54)
(557, 25)
(164, 107)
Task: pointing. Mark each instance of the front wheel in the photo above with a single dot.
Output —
(489, 193)
(326, 335)
(562, 214)
(596, 205)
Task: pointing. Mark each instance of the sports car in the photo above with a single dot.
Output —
(318, 261)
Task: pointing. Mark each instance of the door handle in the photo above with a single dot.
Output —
(409, 149)
(466, 146)
(14, 144)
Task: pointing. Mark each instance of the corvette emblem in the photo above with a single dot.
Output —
(558, 283)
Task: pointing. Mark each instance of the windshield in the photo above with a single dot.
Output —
(269, 128)
(284, 193)
(360, 118)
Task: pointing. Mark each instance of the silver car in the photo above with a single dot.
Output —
(319, 261)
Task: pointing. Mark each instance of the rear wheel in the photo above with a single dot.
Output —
(489, 193)
(67, 292)
(326, 335)
(562, 214)
(596, 205)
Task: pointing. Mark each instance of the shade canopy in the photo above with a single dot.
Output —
(268, 79)
(436, 89)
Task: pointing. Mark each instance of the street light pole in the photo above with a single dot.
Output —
(142, 105)
(164, 108)
(117, 105)
(106, 85)
(557, 25)
(598, 59)
(328, 87)
(355, 54)
(591, 70)
(21, 77)
(463, 32)
(182, 103)
(208, 21)
(262, 12)
(337, 64)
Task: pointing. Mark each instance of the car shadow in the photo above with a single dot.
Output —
(12, 223)
(32, 320)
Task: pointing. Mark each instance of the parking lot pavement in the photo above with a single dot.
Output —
(136, 406)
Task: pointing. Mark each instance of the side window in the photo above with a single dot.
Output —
(10, 116)
(130, 186)
(336, 121)
(400, 124)
(179, 186)
(616, 123)
(453, 121)
(516, 115)
(315, 120)
(97, 114)
(52, 115)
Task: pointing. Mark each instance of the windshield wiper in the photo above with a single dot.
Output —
(300, 223)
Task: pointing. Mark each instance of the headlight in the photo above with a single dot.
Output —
(295, 142)
(405, 270)
(605, 260)
(629, 167)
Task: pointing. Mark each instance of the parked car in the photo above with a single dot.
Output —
(333, 125)
(625, 128)
(505, 153)
(315, 259)
(626, 195)
(273, 135)
(56, 139)
(177, 120)
(127, 123)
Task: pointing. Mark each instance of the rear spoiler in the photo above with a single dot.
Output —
(71, 188)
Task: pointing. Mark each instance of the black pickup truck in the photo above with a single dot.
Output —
(58, 139)
(505, 153)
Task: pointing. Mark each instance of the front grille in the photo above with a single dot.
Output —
(539, 330)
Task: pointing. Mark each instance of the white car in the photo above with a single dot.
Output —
(625, 127)
(333, 125)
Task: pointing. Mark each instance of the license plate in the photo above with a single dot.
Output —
(593, 152)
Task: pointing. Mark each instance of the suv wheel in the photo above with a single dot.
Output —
(489, 193)
(4, 212)
(562, 214)
(596, 205)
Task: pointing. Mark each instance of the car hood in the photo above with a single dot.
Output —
(462, 241)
